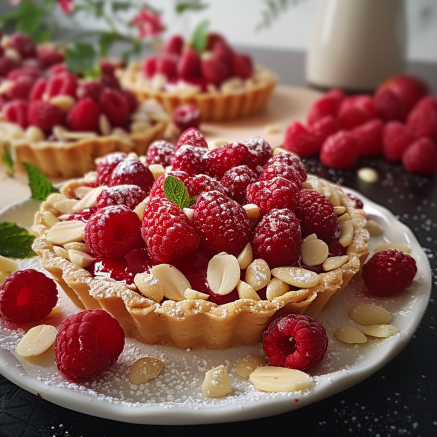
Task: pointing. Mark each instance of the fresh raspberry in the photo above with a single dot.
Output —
(23, 45)
(110, 82)
(218, 161)
(16, 112)
(214, 71)
(167, 232)
(212, 39)
(221, 223)
(113, 231)
(327, 105)
(242, 66)
(21, 87)
(87, 344)
(107, 165)
(198, 81)
(189, 64)
(295, 341)
(131, 99)
(189, 159)
(149, 67)
(388, 107)
(38, 90)
(44, 115)
(276, 193)
(91, 89)
(58, 69)
(285, 165)
(355, 111)
(191, 137)
(324, 128)
(107, 67)
(388, 272)
(186, 116)
(84, 215)
(396, 138)
(128, 195)
(174, 45)
(7, 65)
(201, 183)
(62, 84)
(84, 116)
(24, 71)
(114, 105)
(160, 152)
(260, 152)
(27, 296)
(298, 140)
(340, 150)
(277, 238)
(48, 56)
(369, 138)
(358, 203)
(131, 171)
(423, 118)
(236, 181)
(223, 52)
(316, 215)
(166, 64)
(421, 157)
(158, 187)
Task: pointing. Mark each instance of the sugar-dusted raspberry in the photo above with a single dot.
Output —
(340, 150)
(87, 344)
(64, 83)
(158, 190)
(131, 171)
(299, 140)
(277, 238)
(327, 105)
(107, 165)
(388, 272)
(160, 152)
(421, 157)
(189, 159)
(23, 44)
(16, 112)
(166, 231)
(358, 203)
(423, 118)
(236, 181)
(44, 115)
(203, 182)
(114, 105)
(388, 107)
(356, 110)
(27, 296)
(295, 341)
(186, 116)
(128, 195)
(316, 215)
(84, 215)
(395, 140)
(84, 116)
(113, 231)
(323, 128)
(260, 152)
(189, 64)
(218, 161)
(285, 161)
(191, 137)
(369, 138)
(276, 193)
(221, 223)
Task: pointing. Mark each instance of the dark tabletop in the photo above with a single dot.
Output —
(398, 400)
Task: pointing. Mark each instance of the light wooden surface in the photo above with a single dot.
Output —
(286, 104)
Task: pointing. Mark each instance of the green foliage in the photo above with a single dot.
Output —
(175, 190)
(272, 11)
(7, 160)
(82, 58)
(15, 242)
(193, 5)
(200, 36)
(40, 186)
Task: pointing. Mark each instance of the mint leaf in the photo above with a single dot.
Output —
(81, 58)
(39, 185)
(29, 19)
(8, 161)
(120, 6)
(175, 190)
(193, 5)
(200, 36)
(15, 242)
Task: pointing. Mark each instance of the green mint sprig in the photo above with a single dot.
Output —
(200, 36)
(175, 190)
(40, 186)
(15, 242)
(8, 161)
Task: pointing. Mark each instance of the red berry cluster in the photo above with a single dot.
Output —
(398, 122)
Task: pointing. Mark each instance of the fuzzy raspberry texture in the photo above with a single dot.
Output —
(189, 159)
(16, 112)
(84, 116)
(277, 238)
(260, 152)
(131, 171)
(299, 140)
(191, 137)
(285, 165)
(44, 115)
(388, 107)
(423, 118)
(202, 182)
(166, 231)
(158, 187)
(160, 152)
(128, 195)
(221, 223)
(236, 181)
(340, 150)
(295, 341)
(23, 44)
(324, 128)
(87, 344)
(27, 296)
(316, 215)
(107, 165)
(276, 193)
(218, 161)
(356, 110)
(113, 231)
(327, 105)
(388, 272)
(421, 157)
(186, 116)
(369, 138)
(395, 140)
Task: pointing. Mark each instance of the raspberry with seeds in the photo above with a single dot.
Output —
(388, 272)
(203, 182)
(218, 161)
(283, 161)
(87, 344)
(107, 165)
(27, 296)
(91, 89)
(316, 215)
(421, 157)
(369, 138)
(189, 159)
(340, 150)
(299, 140)
(186, 116)
(158, 190)
(44, 115)
(324, 128)
(221, 223)
(295, 341)
(276, 193)
(327, 105)
(356, 110)
(160, 152)
(131, 171)
(128, 195)
(236, 181)
(84, 116)
(191, 137)
(396, 138)
(260, 152)
(113, 231)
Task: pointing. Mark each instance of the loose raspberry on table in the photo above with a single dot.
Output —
(218, 161)
(186, 116)
(221, 223)
(388, 107)
(285, 161)
(166, 231)
(327, 105)
(107, 165)
(236, 181)
(356, 110)
(189, 159)
(260, 152)
(276, 193)
(27, 296)
(114, 105)
(277, 238)
(84, 116)
(395, 140)
(388, 272)
(369, 138)
(202, 182)
(113, 231)
(16, 112)
(131, 171)
(87, 344)
(191, 137)
(44, 115)
(160, 152)
(324, 128)
(316, 215)
(128, 195)
(158, 190)
(423, 118)
(340, 150)
(421, 157)
(295, 341)
(298, 140)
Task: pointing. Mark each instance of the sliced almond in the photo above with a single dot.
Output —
(347, 233)
(50, 219)
(252, 211)
(81, 192)
(90, 177)
(139, 209)
(314, 252)
(149, 286)
(335, 262)
(296, 276)
(145, 369)
(37, 340)
(280, 379)
(189, 212)
(189, 293)
(258, 274)
(3, 276)
(245, 257)
(77, 246)
(66, 206)
(56, 311)
(368, 314)
(60, 251)
(381, 331)
(223, 273)
(139, 126)
(90, 200)
(339, 210)
(79, 258)
(173, 281)
(245, 366)
(8, 265)
(157, 170)
(246, 291)
(310, 237)
(13, 54)
(272, 129)
(343, 218)
(335, 198)
(215, 144)
(104, 125)
(374, 228)
(276, 288)
(34, 134)
(77, 135)
(64, 102)
(217, 383)
(399, 246)
(66, 232)
(55, 198)
(350, 335)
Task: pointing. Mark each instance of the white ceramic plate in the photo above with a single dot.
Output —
(175, 397)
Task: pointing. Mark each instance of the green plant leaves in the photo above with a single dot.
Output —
(200, 36)
(40, 186)
(82, 58)
(175, 190)
(15, 242)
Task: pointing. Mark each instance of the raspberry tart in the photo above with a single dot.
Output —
(222, 83)
(207, 253)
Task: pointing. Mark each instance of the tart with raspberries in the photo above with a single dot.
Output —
(199, 246)
(222, 83)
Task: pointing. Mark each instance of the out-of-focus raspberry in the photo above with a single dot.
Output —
(340, 150)
(421, 157)
(298, 140)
